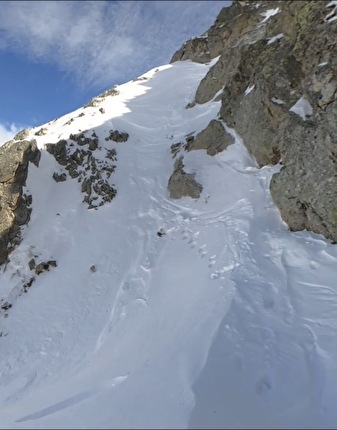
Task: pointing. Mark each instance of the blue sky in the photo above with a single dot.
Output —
(57, 55)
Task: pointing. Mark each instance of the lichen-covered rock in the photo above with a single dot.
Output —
(213, 139)
(183, 184)
(15, 207)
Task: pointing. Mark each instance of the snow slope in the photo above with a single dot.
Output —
(228, 320)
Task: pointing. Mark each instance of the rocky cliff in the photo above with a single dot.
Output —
(14, 203)
(277, 79)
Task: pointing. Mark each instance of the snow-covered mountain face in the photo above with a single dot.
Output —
(123, 307)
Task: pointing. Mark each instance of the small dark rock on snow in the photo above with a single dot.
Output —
(45, 266)
(161, 233)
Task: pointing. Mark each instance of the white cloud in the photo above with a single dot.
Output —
(103, 42)
(7, 132)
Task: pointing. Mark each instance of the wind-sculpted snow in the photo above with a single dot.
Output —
(166, 313)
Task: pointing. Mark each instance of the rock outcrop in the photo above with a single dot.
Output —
(195, 49)
(277, 76)
(213, 139)
(15, 207)
(77, 159)
(117, 136)
(96, 101)
(183, 184)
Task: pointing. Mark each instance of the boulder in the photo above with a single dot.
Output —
(183, 184)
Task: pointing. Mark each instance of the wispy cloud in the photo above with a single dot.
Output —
(7, 132)
(103, 42)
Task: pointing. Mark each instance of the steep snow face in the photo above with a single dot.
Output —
(226, 319)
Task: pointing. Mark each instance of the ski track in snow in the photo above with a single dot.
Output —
(71, 400)
(226, 312)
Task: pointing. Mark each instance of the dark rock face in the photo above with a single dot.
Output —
(183, 184)
(213, 139)
(305, 188)
(277, 75)
(14, 205)
(76, 157)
